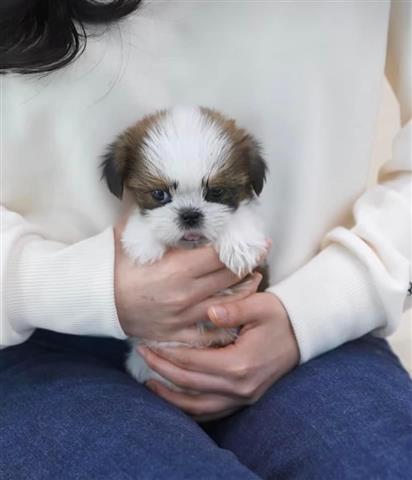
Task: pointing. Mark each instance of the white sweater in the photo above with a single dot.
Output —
(304, 77)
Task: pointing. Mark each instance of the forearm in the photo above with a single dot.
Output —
(64, 288)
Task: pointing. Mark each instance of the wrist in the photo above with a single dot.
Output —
(280, 316)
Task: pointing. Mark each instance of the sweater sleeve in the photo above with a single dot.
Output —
(359, 281)
(47, 284)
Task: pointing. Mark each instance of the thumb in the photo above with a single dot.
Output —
(233, 314)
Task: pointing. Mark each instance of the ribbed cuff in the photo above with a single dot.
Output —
(330, 301)
(66, 289)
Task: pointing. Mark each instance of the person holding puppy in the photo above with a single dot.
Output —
(309, 389)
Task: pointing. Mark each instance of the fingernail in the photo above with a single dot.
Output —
(219, 313)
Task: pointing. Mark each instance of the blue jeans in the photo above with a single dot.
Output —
(69, 411)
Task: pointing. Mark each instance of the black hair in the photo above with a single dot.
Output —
(39, 36)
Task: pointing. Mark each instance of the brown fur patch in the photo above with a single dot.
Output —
(139, 179)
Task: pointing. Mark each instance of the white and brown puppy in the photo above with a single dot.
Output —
(194, 177)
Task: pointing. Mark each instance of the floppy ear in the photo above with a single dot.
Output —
(257, 166)
(114, 165)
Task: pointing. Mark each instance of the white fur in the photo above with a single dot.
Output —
(242, 242)
(186, 146)
(237, 236)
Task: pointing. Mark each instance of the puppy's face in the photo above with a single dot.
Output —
(188, 169)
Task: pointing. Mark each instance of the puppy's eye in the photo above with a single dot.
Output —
(161, 196)
(214, 194)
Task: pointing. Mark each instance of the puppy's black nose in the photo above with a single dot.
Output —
(191, 217)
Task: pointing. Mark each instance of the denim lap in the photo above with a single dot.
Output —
(69, 411)
(68, 414)
(345, 415)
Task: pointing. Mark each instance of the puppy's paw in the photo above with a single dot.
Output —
(242, 257)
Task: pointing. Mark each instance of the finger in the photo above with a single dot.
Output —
(196, 405)
(216, 416)
(215, 361)
(192, 334)
(199, 311)
(223, 279)
(242, 402)
(236, 314)
(209, 285)
(186, 379)
(199, 261)
(200, 336)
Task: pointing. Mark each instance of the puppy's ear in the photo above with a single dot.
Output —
(257, 165)
(114, 165)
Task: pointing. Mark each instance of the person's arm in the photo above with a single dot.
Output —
(92, 288)
(359, 281)
(46, 284)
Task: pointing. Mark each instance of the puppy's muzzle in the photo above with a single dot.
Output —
(190, 218)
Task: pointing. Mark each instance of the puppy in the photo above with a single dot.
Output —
(194, 177)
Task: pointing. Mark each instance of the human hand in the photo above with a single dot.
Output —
(217, 382)
(165, 300)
